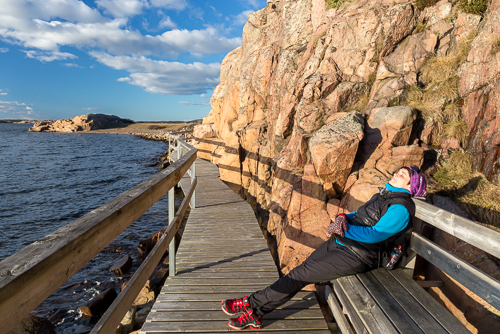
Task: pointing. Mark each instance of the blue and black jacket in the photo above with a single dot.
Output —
(378, 222)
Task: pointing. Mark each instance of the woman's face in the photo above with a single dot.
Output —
(401, 179)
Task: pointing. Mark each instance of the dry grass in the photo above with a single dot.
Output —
(334, 3)
(495, 46)
(371, 78)
(456, 129)
(471, 190)
(437, 100)
(421, 26)
(378, 48)
(477, 7)
(359, 104)
(421, 4)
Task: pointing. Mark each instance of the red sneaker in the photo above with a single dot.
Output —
(247, 319)
(235, 306)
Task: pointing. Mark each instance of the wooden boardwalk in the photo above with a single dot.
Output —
(223, 255)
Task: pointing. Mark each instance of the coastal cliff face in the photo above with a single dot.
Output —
(320, 106)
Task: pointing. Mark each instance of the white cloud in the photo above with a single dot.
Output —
(254, 3)
(2, 92)
(91, 108)
(167, 22)
(169, 4)
(203, 41)
(4, 50)
(44, 56)
(195, 103)
(129, 8)
(163, 77)
(242, 17)
(42, 28)
(72, 65)
(113, 37)
(26, 10)
(14, 109)
(122, 8)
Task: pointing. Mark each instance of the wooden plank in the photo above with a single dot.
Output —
(217, 281)
(215, 305)
(250, 262)
(365, 307)
(192, 326)
(337, 311)
(348, 309)
(227, 269)
(303, 295)
(231, 274)
(445, 318)
(239, 289)
(248, 265)
(474, 279)
(31, 275)
(217, 252)
(117, 310)
(401, 320)
(219, 315)
(467, 230)
(419, 314)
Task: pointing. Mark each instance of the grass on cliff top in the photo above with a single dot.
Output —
(472, 191)
(437, 100)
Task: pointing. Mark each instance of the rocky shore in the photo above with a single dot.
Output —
(81, 123)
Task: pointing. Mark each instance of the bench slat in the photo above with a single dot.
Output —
(402, 321)
(412, 307)
(348, 309)
(474, 279)
(337, 311)
(367, 309)
(445, 318)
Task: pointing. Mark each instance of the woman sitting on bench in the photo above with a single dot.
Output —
(359, 239)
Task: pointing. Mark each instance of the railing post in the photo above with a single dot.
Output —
(193, 175)
(171, 247)
(179, 148)
(169, 147)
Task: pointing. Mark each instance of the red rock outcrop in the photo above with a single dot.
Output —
(305, 122)
(480, 87)
(80, 123)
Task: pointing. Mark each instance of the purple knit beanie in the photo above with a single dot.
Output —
(418, 183)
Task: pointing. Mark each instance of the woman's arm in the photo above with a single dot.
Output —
(394, 221)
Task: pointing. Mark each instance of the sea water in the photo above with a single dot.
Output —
(48, 180)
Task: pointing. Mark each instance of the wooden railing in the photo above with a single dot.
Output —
(482, 237)
(31, 275)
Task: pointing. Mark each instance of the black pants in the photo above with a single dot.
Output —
(329, 261)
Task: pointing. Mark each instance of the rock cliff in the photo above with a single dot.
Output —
(319, 106)
(81, 123)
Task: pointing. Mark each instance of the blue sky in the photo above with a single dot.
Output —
(145, 60)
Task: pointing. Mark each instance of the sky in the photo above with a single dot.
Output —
(145, 60)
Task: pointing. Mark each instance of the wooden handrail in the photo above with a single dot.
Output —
(465, 229)
(115, 313)
(482, 237)
(482, 284)
(31, 275)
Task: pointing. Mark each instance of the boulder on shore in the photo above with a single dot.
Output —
(81, 123)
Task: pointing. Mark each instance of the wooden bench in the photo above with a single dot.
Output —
(384, 301)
